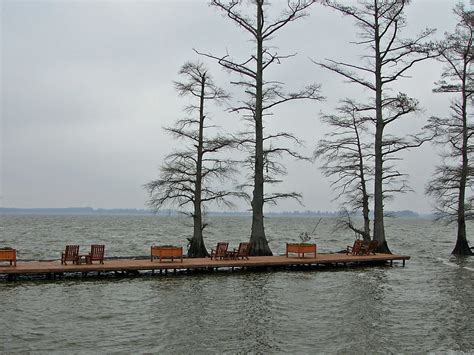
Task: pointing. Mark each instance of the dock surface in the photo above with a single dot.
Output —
(145, 265)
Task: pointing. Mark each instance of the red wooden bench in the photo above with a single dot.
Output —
(8, 255)
(166, 252)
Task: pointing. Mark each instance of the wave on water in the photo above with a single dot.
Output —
(448, 263)
(454, 265)
(423, 307)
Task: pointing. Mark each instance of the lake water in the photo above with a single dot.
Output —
(427, 306)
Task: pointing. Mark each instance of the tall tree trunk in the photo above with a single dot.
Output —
(379, 228)
(365, 195)
(462, 246)
(197, 249)
(365, 213)
(258, 239)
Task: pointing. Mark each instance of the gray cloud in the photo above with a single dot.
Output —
(87, 86)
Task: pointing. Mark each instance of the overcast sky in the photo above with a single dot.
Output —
(87, 87)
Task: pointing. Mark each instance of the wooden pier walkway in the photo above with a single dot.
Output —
(53, 268)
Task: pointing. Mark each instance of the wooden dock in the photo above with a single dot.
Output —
(136, 266)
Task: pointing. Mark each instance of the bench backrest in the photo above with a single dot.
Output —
(8, 254)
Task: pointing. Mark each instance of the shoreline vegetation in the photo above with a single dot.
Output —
(132, 211)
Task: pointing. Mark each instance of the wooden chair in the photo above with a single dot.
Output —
(70, 254)
(220, 251)
(96, 254)
(355, 249)
(242, 252)
(370, 247)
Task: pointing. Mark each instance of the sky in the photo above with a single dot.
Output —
(87, 85)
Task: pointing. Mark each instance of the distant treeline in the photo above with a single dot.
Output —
(73, 210)
(132, 211)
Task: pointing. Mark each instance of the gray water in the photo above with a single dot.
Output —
(427, 306)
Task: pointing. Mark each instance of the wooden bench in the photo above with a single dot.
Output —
(300, 249)
(8, 255)
(166, 253)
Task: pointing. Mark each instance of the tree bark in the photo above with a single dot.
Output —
(379, 228)
(363, 185)
(462, 246)
(197, 249)
(258, 239)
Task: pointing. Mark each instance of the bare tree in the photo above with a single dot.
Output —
(262, 96)
(389, 58)
(453, 178)
(346, 155)
(189, 174)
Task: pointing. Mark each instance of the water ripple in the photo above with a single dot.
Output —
(426, 306)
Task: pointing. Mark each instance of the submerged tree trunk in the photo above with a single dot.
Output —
(258, 239)
(197, 249)
(462, 246)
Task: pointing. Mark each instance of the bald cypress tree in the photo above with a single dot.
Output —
(263, 95)
(387, 59)
(452, 182)
(189, 175)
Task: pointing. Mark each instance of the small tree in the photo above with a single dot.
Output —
(345, 156)
(189, 174)
(262, 96)
(453, 178)
(388, 59)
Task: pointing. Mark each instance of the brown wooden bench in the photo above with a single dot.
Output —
(8, 255)
(166, 252)
(300, 249)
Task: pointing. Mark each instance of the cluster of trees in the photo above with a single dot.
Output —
(358, 154)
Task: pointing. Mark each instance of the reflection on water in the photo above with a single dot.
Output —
(426, 306)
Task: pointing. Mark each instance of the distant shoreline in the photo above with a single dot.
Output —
(145, 212)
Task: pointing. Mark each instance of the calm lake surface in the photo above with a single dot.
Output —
(427, 306)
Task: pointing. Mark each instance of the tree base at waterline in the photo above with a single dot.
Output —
(197, 250)
(260, 248)
(383, 248)
(462, 248)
